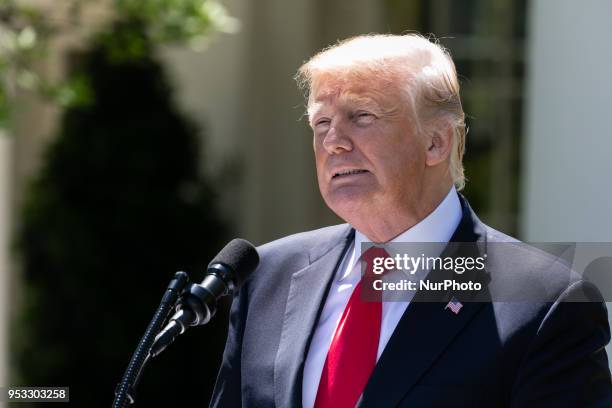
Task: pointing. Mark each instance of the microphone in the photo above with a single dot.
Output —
(225, 274)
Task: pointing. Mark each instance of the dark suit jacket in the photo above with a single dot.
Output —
(547, 353)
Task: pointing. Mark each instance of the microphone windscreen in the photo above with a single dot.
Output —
(240, 256)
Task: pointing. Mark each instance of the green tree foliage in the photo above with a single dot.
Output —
(117, 208)
(190, 21)
(27, 29)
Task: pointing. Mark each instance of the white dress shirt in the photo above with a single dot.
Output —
(438, 226)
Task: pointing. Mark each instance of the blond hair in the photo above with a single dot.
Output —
(424, 69)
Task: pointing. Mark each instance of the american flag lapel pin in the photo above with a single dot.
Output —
(454, 305)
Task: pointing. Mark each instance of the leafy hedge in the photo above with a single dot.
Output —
(117, 208)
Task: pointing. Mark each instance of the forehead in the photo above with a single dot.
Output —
(347, 90)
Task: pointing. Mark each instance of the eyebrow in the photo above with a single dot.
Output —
(345, 100)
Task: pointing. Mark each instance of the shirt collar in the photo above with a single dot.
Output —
(438, 226)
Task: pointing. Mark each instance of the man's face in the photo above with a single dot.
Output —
(370, 161)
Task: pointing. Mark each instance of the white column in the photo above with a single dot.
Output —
(567, 189)
(5, 228)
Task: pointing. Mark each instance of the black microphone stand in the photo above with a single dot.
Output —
(124, 393)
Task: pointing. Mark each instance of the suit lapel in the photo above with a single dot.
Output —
(425, 330)
(422, 334)
(307, 292)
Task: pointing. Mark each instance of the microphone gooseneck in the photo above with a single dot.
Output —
(195, 304)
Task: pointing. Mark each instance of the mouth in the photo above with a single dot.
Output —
(350, 172)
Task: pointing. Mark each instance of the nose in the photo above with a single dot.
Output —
(336, 140)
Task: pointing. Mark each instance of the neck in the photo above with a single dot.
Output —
(383, 226)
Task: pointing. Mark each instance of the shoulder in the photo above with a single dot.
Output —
(305, 243)
(525, 271)
(280, 258)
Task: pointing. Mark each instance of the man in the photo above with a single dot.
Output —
(388, 139)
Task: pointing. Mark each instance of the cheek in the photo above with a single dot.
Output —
(320, 165)
(317, 147)
(410, 169)
(400, 167)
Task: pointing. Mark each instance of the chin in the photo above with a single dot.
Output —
(349, 207)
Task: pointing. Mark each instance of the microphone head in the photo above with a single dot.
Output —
(240, 256)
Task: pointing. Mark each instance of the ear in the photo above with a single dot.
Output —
(440, 144)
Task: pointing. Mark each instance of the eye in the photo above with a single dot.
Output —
(364, 118)
(322, 123)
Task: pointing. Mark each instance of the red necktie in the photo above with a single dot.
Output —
(352, 353)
